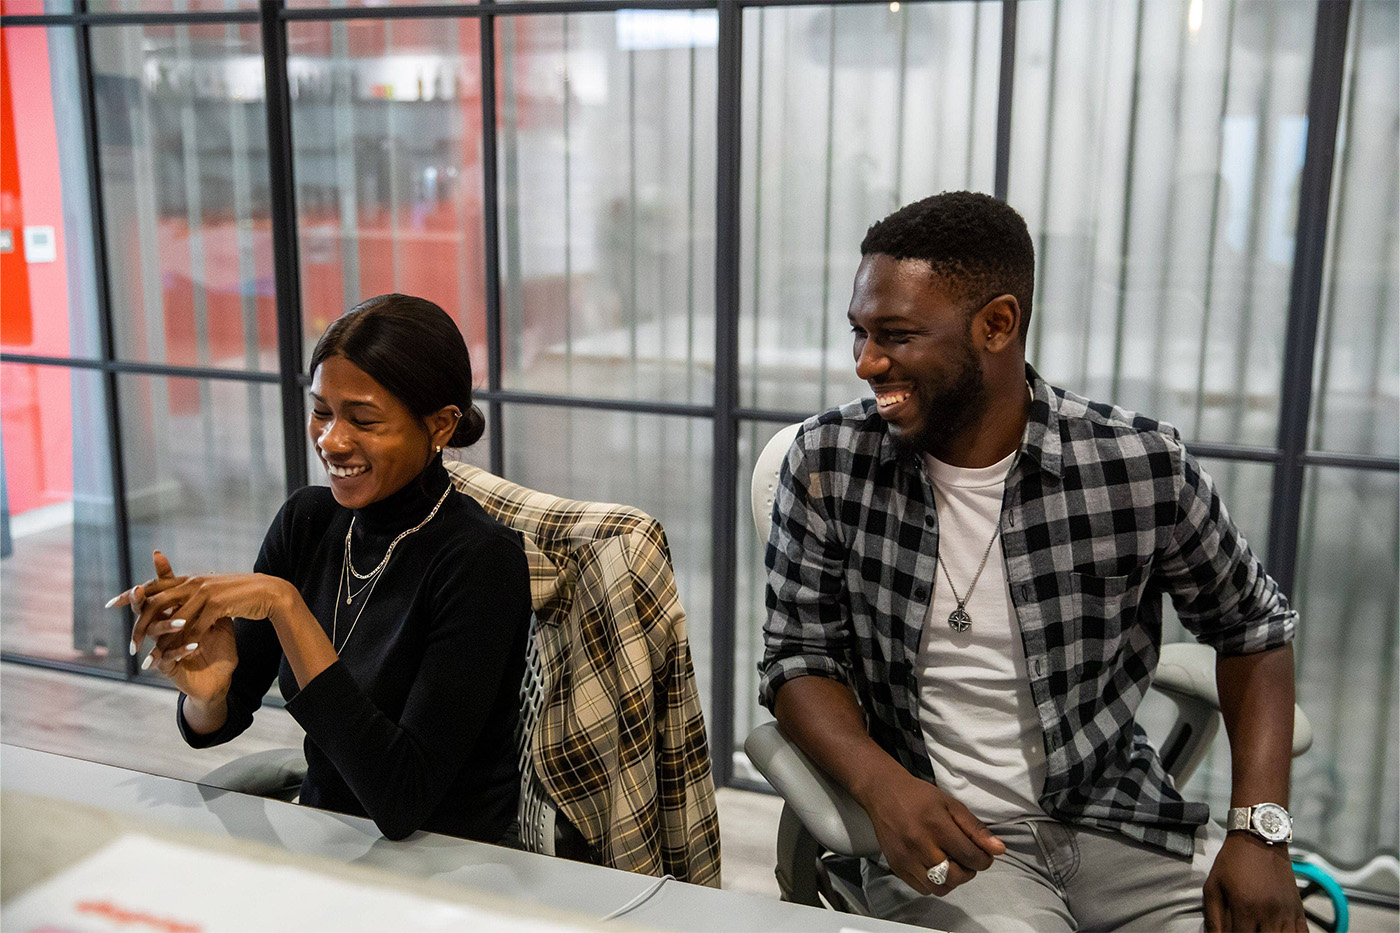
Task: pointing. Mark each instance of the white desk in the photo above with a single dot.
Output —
(498, 874)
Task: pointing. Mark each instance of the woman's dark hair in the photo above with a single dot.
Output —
(412, 348)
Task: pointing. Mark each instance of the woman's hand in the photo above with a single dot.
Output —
(179, 617)
(204, 673)
(136, 596)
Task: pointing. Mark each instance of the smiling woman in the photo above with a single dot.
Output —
(412, 722)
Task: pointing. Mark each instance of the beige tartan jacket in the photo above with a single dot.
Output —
(620, 745)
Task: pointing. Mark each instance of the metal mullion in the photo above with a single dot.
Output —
(143, 369)
(1006, 84)
(284, 241)
(747, 4)
(491, 217)
(487, 8)
(1349, 461)
(121, 520)
(1305, 293)
(597, 404)
(71, 667)
(724, 502)
(78, 362)
(212, 18)
(770, 414)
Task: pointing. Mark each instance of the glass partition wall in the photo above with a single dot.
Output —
(646, 223)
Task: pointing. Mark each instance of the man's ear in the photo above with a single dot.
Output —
(998, 325)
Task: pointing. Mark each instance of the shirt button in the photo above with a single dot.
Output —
(921, 593)
(1038, 667)
(928, 520)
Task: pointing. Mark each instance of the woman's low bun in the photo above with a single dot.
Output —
(470, 427)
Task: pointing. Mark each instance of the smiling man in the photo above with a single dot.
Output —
(965, 608)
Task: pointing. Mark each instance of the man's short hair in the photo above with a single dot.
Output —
(978, 246)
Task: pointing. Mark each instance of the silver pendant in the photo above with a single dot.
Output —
(959, 621)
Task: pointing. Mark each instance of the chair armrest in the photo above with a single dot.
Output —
(1186, 672)
(277, 772)
(830, 814)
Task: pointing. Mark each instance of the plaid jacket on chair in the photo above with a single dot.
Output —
(620, 745)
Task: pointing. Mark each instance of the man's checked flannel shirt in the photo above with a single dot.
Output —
(1104, 511)
(619, 745)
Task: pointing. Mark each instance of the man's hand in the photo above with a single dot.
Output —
(1251, 887)
(919, 825)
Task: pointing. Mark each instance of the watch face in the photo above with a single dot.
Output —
(1272, 822)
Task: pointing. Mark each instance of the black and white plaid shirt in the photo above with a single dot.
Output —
(1104, 511)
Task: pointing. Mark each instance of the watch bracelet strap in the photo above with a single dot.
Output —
(1237, 818)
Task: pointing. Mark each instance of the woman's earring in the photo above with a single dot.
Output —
(438, 449)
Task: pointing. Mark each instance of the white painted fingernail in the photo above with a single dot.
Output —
(146, 664)
(113, 601)
(177, 623)
(192, 646)
(131, 648)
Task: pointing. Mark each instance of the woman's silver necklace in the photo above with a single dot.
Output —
(345, 585)
(958, 619)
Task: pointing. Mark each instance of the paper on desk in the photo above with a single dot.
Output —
(142, 885)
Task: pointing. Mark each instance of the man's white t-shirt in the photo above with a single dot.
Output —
(979, 720)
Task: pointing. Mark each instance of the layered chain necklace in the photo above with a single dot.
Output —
(348, 574)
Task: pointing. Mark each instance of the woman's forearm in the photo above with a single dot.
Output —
(304, 642)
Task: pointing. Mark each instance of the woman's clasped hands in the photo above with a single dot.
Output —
(190, 621)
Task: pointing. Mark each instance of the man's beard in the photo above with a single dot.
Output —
(954, 407)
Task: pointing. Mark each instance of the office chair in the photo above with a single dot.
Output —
(608, 689)
(823, 833)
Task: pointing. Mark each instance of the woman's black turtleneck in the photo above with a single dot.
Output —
(414, 725)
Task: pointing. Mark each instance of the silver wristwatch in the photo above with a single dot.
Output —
(1268, 821)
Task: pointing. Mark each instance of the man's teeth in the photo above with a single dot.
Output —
(343, 472)
(885, 401)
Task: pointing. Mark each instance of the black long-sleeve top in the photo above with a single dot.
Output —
(414, 725)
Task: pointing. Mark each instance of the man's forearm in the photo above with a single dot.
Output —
(1256, 702)
(823, 718)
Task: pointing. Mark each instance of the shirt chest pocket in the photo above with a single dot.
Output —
(1104, 608)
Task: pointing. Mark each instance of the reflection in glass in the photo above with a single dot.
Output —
(1346, 656)
(849, 113)
(607, 203)
(58, 556)
(1356, 409)
(386, 130)
(182, 123)
(659, 464)
(46, 264)
(1156, 159)
(204, 473)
